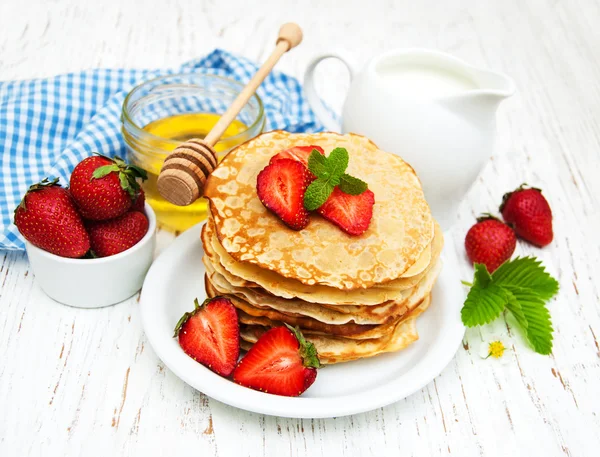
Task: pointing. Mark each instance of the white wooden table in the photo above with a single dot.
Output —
(86, 382)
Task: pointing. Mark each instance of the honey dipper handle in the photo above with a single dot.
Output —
(290, 35)
(186, 169)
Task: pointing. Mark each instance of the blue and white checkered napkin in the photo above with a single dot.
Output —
(47, 126)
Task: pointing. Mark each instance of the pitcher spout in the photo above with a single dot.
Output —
(481, 102)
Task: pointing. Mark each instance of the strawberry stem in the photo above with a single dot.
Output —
(507, 195)
(128, 174)
(486, 216)
(38, 186)
(308, 351)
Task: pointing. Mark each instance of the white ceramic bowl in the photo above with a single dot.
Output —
(94, 283)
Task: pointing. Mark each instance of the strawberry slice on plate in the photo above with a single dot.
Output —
(210, 334)
(280, 187)
(351, 213)
(281, 362)
(298, 153)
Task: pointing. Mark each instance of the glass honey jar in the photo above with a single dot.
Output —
(160, 114)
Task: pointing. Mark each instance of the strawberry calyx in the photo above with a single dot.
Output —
(188, 314)
(507, 195)
(43, 184)
(128, 174)
(488, 216)
(308, 351)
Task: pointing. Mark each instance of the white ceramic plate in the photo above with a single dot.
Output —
(176, 278)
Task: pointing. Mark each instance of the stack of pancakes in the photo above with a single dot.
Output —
(352, 296)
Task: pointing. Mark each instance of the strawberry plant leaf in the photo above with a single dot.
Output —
(317, 194)
(514, 307)
(522, 286)
(138, 172)
(351, 185)
(485, 301)
(527, 272)
(538, 328)
(104, 170)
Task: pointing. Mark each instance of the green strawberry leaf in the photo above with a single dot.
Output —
(522, 286)
(138, 172)
(351, 185)
(317, 194)
(104, 170)
(188, 314)
(485, 301)
(538, 328)
(529, 273)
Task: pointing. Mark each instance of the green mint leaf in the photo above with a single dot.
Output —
(527, 272)
(485, 301)
(351, 185)
(533, 317)
(101, 172)
(317, 193)
(337, 162)
(317, 164)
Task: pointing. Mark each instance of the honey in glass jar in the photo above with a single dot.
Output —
(162, 113)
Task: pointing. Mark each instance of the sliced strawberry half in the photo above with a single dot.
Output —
(351, 213)
(210, 334)
(298, 153)
(281, 362)
(281, 186)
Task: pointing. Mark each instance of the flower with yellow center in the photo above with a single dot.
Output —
(496, 349)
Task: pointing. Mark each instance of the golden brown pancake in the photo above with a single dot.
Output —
(245, 275)
(400, 232)
(337, 349)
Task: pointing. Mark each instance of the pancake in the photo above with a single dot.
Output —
(400, 232)
(337, 350)
(259, 303)
(245, 275)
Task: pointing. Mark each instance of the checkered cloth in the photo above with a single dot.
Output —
(47, 126)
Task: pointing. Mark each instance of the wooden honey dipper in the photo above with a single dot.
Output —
(185, 170)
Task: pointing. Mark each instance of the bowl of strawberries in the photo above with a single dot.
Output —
(91, 244)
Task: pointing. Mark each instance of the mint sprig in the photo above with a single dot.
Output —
(521, 286)
(330, 172)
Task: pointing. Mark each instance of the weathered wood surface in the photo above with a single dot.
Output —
(86, 382)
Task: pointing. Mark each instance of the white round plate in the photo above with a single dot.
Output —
(177, 277)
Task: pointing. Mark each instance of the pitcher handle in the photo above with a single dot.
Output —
(309, 86)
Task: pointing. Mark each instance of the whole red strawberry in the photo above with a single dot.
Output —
(116, 235)
(210, 334)
(490, 242)
(105, 188)
(281, 362)
(528, 212)
(48, 219)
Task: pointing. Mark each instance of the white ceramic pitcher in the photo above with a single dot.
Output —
(434, 110)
